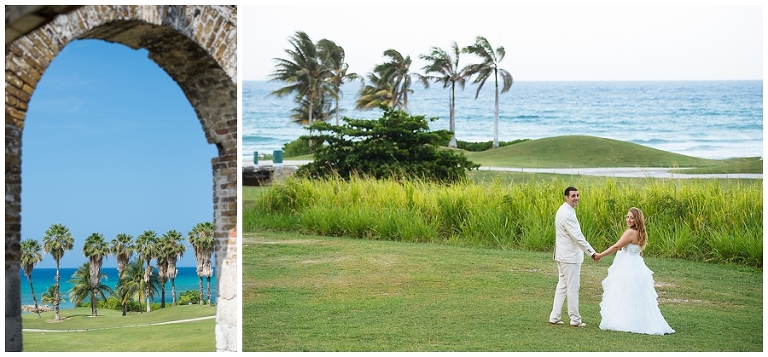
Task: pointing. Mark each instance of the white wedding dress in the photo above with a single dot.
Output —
(629, 298)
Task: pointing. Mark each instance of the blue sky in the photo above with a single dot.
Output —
(112, 145)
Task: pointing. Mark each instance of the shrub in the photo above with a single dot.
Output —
(187, 296)
(297, 147)
(113, 303)
(482, 146)
(395, 145)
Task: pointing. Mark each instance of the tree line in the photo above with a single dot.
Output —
(137, 279)
(314, 73)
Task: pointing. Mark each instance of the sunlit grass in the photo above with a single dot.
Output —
(310, 293)
(693, 219)
(145, 332)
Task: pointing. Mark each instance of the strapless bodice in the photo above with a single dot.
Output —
(632, 249)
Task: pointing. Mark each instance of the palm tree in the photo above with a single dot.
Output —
(390, 83)
(321, 110)
(201, 238)
(162, 269)
(57, 241)
(30, 256)
(49, 296)
(333, 57)
(489, 66)
(146, 249)
(83, 287)
(377, 91)
(95, 249)
(132, 286)
(128, 287)
(448, 73)
(208, 273)
(172, 247)
(122, 248)
(303, 71)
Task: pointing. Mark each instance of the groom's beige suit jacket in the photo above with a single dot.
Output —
(569, 241)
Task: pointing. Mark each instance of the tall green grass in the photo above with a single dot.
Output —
(699, 220)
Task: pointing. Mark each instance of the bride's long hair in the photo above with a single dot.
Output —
(639, 226)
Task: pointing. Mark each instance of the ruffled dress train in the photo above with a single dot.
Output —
(629, 298)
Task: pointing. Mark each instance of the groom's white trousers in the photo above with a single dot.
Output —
(567, 287)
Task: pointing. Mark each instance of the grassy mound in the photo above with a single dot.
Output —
(583, 151)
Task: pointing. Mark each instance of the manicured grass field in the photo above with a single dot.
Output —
(310, 293)
(582, 151)
(111, 332)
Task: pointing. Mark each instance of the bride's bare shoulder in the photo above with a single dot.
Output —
(632, 234)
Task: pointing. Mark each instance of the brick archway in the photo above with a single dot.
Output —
(196, 46)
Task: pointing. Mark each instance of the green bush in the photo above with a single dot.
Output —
(187, 296)
(113, 303)
(395, 145)
(482, 146)
(297, 147)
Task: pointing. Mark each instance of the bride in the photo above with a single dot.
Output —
(629, 298)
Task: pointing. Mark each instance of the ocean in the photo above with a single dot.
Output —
(707, 119)
(42, 278)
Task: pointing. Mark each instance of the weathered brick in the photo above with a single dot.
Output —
(16, 50)
(28, 81)
(17, 93)
(13, 80)
(27, 88)
(10, 100)
(35, 69)
(15, 113)
(11, 66)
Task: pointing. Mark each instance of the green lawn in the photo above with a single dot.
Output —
(582, 151)
(309, 293)
(112, 332)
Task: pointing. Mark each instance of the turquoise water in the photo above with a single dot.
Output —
(42, 278)
(708, 119)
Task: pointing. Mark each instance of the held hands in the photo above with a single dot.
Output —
(596, 257)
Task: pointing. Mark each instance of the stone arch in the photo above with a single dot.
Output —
(196, 46)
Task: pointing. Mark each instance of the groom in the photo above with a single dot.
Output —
(569, 243)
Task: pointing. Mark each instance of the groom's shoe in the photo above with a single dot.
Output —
(580, 325)
(558, 322)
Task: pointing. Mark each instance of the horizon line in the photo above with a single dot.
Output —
(115, 267)
(585, 80)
